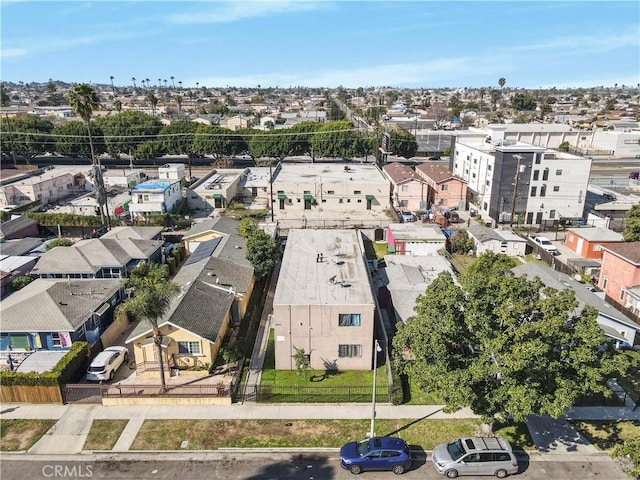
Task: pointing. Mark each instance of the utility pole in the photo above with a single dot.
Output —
(518, 157)
(271, 187)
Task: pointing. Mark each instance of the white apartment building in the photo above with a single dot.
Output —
(537, 184)
(49, 187)
(154, 197)
(172, 172)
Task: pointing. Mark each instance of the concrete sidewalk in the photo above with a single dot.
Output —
(74, 420)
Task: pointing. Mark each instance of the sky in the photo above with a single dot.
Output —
(288, 43)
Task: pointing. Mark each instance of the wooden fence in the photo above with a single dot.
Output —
(30, 394)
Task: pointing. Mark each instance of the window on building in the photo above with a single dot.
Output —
(605, 282)
(280, 192)
(404, 188)
(349, 320)
(444, 187)
(340, 200)
(534, 191)
(330, 192)
(543, 190)
(536, 174)
(324, 200)
(488, 183)
(621, 296)
(348, 200)
(489, 167)
(349, 351)
(484, 206)
(56, 341)
(556, 188)
(475, 161)
(192, 348)
(473, 175)
(307, 192)
(538, 158)
(552, 214)
(357, 192)
(558, 172)
(359, 200)
(545, 174)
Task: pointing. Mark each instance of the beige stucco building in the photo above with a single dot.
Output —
(323, 302)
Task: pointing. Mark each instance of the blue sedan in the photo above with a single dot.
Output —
(378, 453)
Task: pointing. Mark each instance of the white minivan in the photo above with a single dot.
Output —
(475, 456)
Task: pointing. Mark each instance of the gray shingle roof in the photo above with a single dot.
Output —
(135, 233)
(55, 305)
(15, 225)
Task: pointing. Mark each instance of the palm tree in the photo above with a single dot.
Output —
(180, 84)
(165, 83)
(147, 80)
(482, 93)
(84, 100)
(159, 83)
(113, 89)
(133, 79)
(501, 82)
(172, 82)
(150, 302)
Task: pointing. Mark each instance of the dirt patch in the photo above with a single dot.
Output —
(22, 434)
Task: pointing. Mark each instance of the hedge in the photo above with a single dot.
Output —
(70, 368)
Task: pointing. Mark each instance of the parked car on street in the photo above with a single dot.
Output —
(105, 364)
(546, 244)
(475, 456)
(406, 216)
(377, 453)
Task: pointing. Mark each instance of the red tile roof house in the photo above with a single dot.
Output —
(445, 189)
(588, 242)
(408, 190)
(620, 275)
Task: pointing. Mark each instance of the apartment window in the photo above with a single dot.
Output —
(349, 351)
(543, 190)
(538, 158)
(280, 192)
(357, 192)
(349, 320)
(536, 174)
(468, 157)
(473, 175)
(488, 183)
(359, 200)
(404, 188)
(475, 161)
(444, 188)
(330, 192)
(605, 282)
(534, 190)
(340, 200)
(324, 200)
(556, 188)
(55, 339)
(484, 206)
(348, 200)
(192, 348)
(489, 167)
(558, 172)
(621, 296)
(552, 214)
(545, 174)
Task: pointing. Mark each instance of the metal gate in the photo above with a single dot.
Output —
(82, 393)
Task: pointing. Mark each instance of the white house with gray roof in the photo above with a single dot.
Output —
(323, 301)
(613, 323)
(495, 240)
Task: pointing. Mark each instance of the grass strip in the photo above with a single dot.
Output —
(21, 434)
(104, 434)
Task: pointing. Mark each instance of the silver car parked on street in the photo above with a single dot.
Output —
(475, 456)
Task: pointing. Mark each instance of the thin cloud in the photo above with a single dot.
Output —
(591, 43)
(228, 12)
(13, 52)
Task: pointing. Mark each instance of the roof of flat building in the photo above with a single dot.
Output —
(597, 234)
(417, 232)
(329, 173)
(323, 267)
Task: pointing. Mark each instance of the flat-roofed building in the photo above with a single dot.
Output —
(323, 301)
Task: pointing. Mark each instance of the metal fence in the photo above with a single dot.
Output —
(312, 394)
(94, 393)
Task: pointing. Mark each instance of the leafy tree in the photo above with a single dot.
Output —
(523, 101)
(4, 96)
(21, 281)
(151, 149)
(26, 135)
(631, 231)
(301, 143)
(59, 242)
(273, 143)
(564, 146)
(150, 301)
(71, 139)
(117, 104)
(125, 130)
(403, 143)
(214, 141)
(335, 139)
(504, 345)
(301, 359)
(521, 118)
(630, 449)
(261, 252)
(461, 242)
(177, 137)
(247, 227)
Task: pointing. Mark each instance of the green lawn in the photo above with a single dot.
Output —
(318, 378)
(375, 250)
(605, 435)
(104, 434)
(213, 434)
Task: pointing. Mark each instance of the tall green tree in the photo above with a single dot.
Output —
(84, 100)
(631, 231)
(261, 252)
(403, 143)
(177, 137)
(71, 139)
(502, 81)
(505, 346)
(152, 293)
(212, 140)
(523, 101)
(125, 130)
(26, 135)
(335, 139)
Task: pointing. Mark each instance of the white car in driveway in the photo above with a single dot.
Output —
(105, 364)
(546, 244)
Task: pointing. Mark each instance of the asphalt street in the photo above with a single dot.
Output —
(276, 466)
